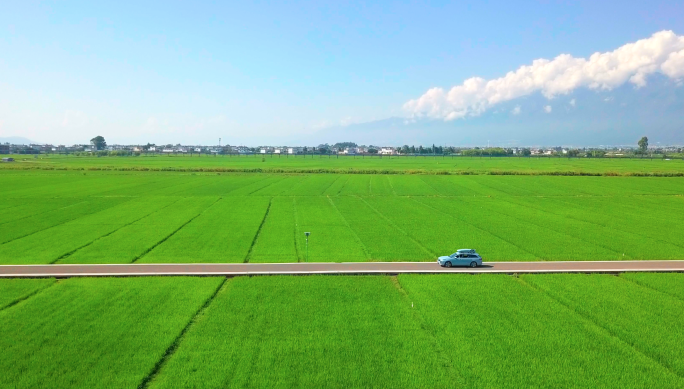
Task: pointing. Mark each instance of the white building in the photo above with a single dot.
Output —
(387, 151)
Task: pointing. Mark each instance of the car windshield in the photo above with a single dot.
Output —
(454, 254)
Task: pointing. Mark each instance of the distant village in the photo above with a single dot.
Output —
(343, 148)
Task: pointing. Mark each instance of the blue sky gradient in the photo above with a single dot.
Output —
(249, 73)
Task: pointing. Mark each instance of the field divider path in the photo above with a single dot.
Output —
(602, 327)
(351, 268)
(174, 232)
(393, 224)
(109, 233)
(256, 236)
(176, 342)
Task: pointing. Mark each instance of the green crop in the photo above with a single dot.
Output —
(498, 332)
(103, 217)
(359, 164)
(411, 331)
(13, 291)
(669, 283)
(646, 319)
(307, 332)
(96, 333)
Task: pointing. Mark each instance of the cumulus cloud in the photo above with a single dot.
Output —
(516, 110)
(662, 53)
(548, 109)
(573, 102)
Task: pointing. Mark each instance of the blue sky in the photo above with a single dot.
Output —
(191, 72)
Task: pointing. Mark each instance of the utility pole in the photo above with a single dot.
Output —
(307, 245)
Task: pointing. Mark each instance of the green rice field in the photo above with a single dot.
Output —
(426, 164)
(173, 217)
(410, 331)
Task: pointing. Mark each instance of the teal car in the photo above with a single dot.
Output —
(462, 257)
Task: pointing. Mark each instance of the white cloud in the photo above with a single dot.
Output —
(608, 99)
(548, 109)
(516, 110)
(573, 102)
(662, 53)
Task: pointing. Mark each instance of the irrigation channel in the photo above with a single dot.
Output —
(348, 268)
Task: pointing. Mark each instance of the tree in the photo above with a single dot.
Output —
(98, 142)
(643, 145)
(526, 152)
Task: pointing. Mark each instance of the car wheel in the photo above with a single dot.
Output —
(447, 264)
(473, 264)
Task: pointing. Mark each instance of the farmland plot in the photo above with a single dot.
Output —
(276, 239)
(624, 245)
(619, 218)
(31, 207)
(669, 283)
(21, 228)
(439, 233)
(133, 241)
(52, 244)
(307, 332)
(331, 238)
(383, 240)
(497, 332)
(539, 241)
(96, 333)
(15, 290)
(647, 319)
(223, 232)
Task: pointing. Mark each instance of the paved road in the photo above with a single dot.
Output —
(235, 269)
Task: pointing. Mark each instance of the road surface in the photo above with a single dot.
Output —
(238, 269)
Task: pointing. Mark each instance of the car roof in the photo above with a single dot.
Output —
(463, 250)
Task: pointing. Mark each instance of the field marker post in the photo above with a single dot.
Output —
(307, 245)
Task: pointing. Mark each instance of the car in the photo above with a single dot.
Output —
(463, 257)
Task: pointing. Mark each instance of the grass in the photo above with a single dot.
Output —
(307, 332)
(96, 333)
(124, 217)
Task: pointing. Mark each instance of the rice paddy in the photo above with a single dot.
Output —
(157, 217)
(411, 331)
(425, 164)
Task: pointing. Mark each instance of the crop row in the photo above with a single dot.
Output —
(332, 331)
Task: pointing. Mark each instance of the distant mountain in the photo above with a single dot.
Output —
(583, 118)
(17, 140)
